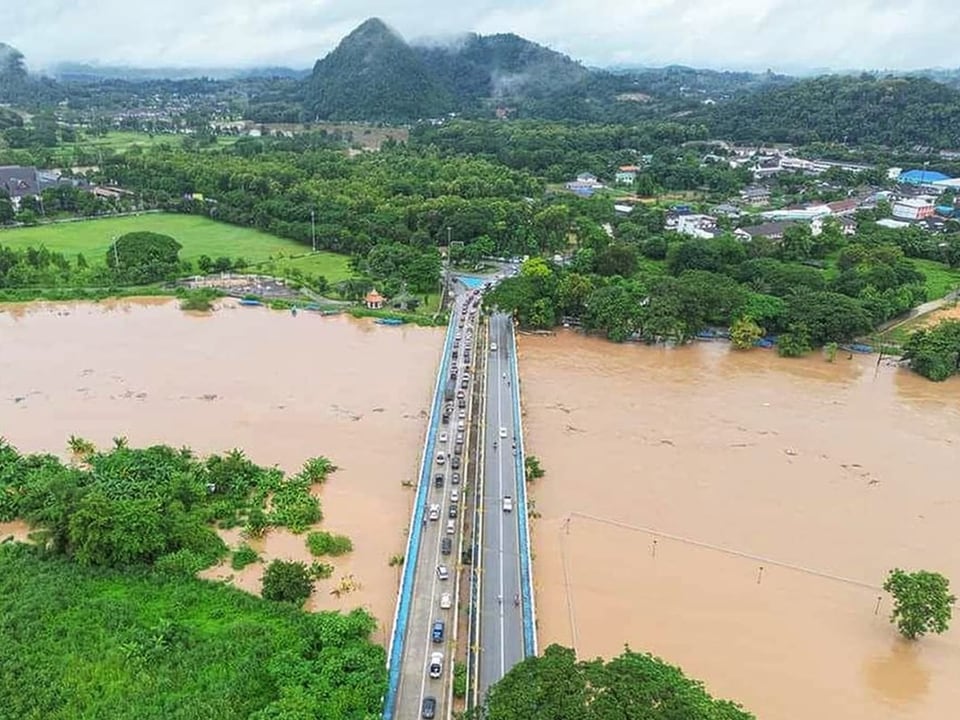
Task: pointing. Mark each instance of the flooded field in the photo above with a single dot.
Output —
(736, 514)
(280, 387)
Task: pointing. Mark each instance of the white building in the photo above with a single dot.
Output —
(913, 209)
(699, 226)
(804, 214)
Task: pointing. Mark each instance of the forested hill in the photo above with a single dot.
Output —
(891, 111)
(500, 67)
(374, 75)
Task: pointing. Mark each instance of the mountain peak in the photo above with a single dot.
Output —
(372, 28)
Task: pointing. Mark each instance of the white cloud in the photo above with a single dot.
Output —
(784, 35)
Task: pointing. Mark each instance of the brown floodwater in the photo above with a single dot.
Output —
(280, 387)
(736, 513)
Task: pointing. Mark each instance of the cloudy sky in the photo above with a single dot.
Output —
(785, 35)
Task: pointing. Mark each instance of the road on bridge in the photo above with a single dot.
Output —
(500, 612)
(435, 598)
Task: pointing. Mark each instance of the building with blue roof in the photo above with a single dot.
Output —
(921, 177)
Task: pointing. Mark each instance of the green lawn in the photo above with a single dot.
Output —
(198, 235)
(120, 141)
(940, 278)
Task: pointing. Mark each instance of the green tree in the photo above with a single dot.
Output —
(935, 352)
(795, 343)
(922, 602)
(287, 582)
(797, 243)
(744, 333)
(144, 257)
(617, 259)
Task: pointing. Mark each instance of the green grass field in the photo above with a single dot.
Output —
(120, 141)
(198, 235)
(940, 278)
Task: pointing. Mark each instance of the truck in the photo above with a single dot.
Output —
(450, 391)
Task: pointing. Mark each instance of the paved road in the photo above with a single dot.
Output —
(501, 621)
(415, 682)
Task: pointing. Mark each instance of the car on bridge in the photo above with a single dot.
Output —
(446, 546)
(438, 481)
(436, 665)
(445, 601)
(428, 710)
(434, 513)
(507, 503)
(441, 458)
(436, 632)
(443, 572)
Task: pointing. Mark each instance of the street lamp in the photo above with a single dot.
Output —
(313, 229)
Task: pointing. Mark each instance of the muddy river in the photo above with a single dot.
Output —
(735, 514)
(280, 387)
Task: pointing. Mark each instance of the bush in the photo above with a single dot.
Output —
(285, 581)
(243, 556)
(324, 543)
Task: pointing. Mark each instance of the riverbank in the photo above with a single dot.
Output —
(707, 464)
(282, 387)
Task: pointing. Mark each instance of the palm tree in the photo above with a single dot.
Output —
(81, 448)
(120, 442)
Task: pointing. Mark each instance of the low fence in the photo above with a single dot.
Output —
(526, 569)
(405, 592)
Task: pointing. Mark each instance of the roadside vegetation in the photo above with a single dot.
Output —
(631, 685)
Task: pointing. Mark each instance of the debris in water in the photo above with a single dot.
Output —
(791, 452)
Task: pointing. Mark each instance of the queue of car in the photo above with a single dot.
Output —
(450, 451)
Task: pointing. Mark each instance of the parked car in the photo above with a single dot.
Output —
(436, 632)
(445, 600)
(507, 503)
(428, 710)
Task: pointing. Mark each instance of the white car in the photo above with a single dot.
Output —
(445, 601)
(443, 572)
(507, 503)
(493, 347)
(436, 665)
(443, 437)
(441, 459)
(503, 432)
(454, 495)
(435, 512)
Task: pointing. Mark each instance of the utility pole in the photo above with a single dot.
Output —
(313, 229)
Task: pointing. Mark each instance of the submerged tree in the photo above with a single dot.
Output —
(287, 582)
(922, 602)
